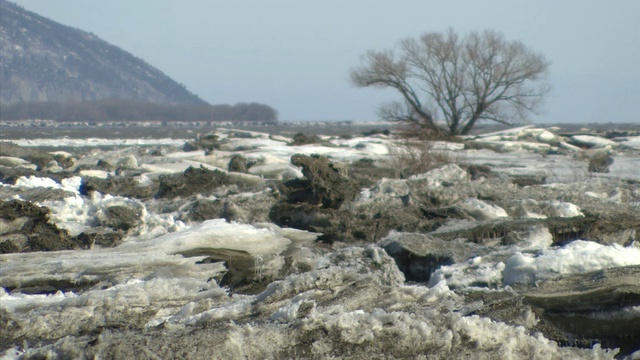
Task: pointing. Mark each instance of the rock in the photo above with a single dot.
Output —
(419, 255)
(238, 163)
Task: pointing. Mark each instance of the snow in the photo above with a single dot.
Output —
(71, 184)
(576, 257)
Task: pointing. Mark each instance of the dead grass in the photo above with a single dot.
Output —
(416, 157)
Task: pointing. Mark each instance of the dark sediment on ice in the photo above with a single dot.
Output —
(208, 143)
(119, 186)
(26, 228)
(419, 255)
(192, 181)
(329, 182)
(581, 309)
(35, 156)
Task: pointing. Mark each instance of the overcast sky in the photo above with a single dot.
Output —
(295, 55)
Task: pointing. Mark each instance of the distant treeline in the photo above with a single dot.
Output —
(133, 110)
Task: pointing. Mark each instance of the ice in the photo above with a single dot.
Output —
(287, 296)
(480, 210)
(445, 174)
(16, 162)
(71, 184)
(101, 174)
(276, 171)
(504, 133)
(538, 238)
(474, 272)
(561, 209)
(96, 142)
(577, 257)
(170, 256)
(34, 181)
(632, 142)
(593, 141)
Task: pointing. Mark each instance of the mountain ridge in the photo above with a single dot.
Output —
(45, 61)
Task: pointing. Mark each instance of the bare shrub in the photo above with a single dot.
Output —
(600, 163)
(416, 157)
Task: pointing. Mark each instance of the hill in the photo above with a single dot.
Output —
(56, 72)
(44, 61)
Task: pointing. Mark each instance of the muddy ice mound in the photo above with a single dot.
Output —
(25, 227)
(353, 304)
(329, 201)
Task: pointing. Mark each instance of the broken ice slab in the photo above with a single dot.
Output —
(250, 253)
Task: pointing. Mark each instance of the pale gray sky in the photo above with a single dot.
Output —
(295, 55)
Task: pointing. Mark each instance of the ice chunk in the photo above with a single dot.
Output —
(34, 181)
(577, 257)
(450, 173)
(101, 174)
(632, 142)
(557, 208)
(16, 162)
(593, 141)
(277, 171)
(480, 210)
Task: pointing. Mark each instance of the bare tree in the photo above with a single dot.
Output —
(448, 83)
